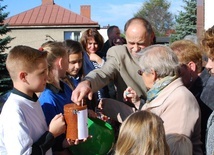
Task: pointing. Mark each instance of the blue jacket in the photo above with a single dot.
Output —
(53, 100)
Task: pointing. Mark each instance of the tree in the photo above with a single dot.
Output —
(5, 81)
(186, 21)
(156, 12)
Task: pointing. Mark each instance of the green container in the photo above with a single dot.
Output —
(101, 142)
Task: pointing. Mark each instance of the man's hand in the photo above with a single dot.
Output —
(82, 90)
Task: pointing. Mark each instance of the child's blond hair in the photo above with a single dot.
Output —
(23, 58)
(54, 51)
(142, 133)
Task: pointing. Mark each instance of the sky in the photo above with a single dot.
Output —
(105, 12)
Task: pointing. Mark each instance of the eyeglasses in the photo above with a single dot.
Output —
(140, 72)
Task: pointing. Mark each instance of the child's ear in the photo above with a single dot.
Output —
(22, 76)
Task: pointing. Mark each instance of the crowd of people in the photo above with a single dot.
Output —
(160, 95)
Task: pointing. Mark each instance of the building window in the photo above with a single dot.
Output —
(74, 35)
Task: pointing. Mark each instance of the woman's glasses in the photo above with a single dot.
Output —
(140, 72)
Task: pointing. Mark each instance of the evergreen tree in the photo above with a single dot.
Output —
(186, 21)
(5, 81)
(156, 12)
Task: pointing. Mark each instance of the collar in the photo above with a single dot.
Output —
(55, 89)
(17, 92)
(75, 78)
(165, 93)
(205, 75)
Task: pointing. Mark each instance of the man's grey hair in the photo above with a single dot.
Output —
(161, 58)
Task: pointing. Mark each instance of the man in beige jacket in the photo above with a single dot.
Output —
(121, 64)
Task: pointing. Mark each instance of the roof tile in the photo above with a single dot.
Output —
(48, 14)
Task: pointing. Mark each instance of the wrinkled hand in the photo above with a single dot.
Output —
(83, 89)
(57, 125)
(96, 58)
(130, 95)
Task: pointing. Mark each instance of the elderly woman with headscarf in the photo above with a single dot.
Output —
(167, 97)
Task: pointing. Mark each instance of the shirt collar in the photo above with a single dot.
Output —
(55, 89)
(34, 98)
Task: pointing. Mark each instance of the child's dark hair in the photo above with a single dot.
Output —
(72, 46)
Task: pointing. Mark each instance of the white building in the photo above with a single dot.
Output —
(205, 13)
(209, 13)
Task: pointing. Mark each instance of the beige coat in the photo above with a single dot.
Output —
(180, 112)
(121, 68)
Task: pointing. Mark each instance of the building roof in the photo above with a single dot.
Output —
(48, 14)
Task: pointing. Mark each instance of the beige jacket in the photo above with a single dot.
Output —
(121, 68)
(180, 112)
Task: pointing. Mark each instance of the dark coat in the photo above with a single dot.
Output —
(203, 89)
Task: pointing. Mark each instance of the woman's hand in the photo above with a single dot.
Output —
(96, 58)
(130, 95)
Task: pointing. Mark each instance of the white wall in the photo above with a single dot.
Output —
(209, 14)
(36, 37)
(103, 32)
